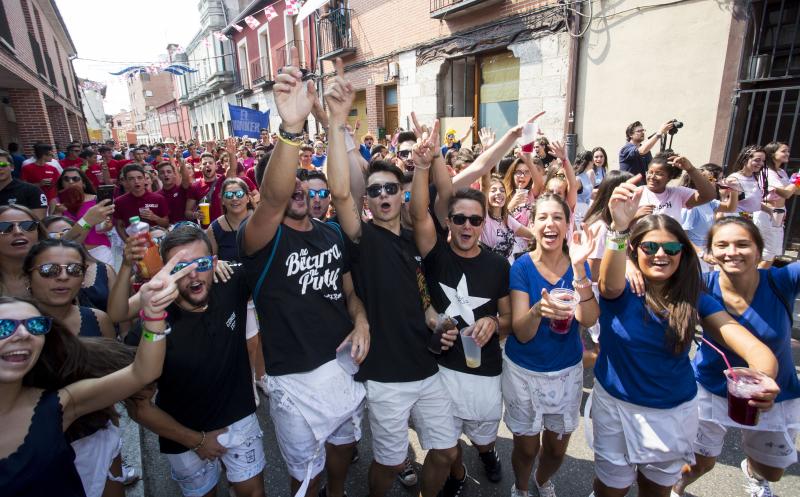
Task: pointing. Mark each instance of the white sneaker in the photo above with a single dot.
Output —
(546, 490)
(755, 487)
(518, 493)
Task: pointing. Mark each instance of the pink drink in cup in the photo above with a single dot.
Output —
(743, 383)
(567, 297)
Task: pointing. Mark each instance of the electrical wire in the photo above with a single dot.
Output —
(590, 18)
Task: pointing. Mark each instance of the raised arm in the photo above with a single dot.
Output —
(560, 151)
(233, 162)
(422, 155)
(339, 98)
(468, 132)
(441, 178)
(294, 99)
(705, 189)
(623, 205)
(122, 306)
(648, 144)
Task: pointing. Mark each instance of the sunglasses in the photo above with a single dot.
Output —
(374, 191)
(51, 270)
(670, 248)
(190, 224)
(230, 195)
(5, 164)
(7, 227)
(204, 264)
(404, 154)
(37, 325)
(321, 193)
(460, 219)
(72, 179)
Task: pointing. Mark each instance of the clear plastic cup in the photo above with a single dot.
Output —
(345, 360)
(568, 297)
(472, 351)
(747, 383)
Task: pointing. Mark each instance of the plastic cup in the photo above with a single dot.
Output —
(142, 211)
(778, 215)
(345, 360)
(568, 297)
(205, 211)
(472, 351)
(521, 190)
(747, 383)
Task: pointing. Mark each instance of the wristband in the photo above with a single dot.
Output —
(617, 244)
(83, 224)
(619, 234)
(287, 137)
(145, 317)
(587, 299)
(151, 336)
(582, 283)
(288, 142)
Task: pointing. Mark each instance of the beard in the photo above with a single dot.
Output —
(195, 301)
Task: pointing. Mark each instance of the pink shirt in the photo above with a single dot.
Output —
(93, 238)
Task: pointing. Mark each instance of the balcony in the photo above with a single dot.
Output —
(441, 9)
(281, 54)
(335, 35)
(242, 86)
(260, 73)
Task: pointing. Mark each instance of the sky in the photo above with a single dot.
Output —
(123, 33)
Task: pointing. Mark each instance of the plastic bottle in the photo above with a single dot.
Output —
(151, 264)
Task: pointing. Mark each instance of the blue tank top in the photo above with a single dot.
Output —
(227, 250)
(90, 327)
(96, 295)
(45, 463)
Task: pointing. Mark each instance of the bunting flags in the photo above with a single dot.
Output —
(270, 13)
(219, 36)
(292, 7)
(252, 22)
(238, 28)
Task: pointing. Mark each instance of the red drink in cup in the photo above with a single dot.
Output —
(743, 383)
(567, 297)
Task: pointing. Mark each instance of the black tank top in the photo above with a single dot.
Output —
(45, 463)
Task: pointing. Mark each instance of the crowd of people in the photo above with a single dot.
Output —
(425, 284)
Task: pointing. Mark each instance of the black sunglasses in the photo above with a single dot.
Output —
(37, 325)
(670, 248)
(374, 191)
(404, 154)
(460, 219)
(51, 270)
(7, 227)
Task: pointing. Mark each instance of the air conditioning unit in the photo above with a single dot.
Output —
(394, 70)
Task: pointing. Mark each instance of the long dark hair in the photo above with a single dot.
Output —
(682, 291)
(583, 161)
(88, 187)
(744, 156)
(549, 197)
(770, 149)
(48, 243)
(743, 223)
(598, 210)
(605, 158)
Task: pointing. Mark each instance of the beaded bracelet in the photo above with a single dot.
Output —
(202, 442)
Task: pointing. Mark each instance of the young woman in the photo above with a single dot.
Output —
(76, 196)
(20, 229)
(499, 228)
(584, 172)
(644, 410)
(542, 369)
(55, 269)
(749, 180)
(760, 300)
(660, 198)
(779, 189)
(600, 159)
(39, 400)
(525, 178)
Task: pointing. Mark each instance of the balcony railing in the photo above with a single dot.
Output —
(441, 8)
(281, 54)
(242, 84)
(260, 73)
(335, 35)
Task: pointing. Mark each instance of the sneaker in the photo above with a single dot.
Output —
(546, 490)
(130, 474)
(491, 465)
(355, 457)
(453, 486)
(262, 385)
(408, 477)
(755, 487)
(518, 493)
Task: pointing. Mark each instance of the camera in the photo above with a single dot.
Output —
(676, 125)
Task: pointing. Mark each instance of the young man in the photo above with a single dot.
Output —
(301, 285)
(72, 159)
(305, 155)
(193, 159)
(16, 192)
(635, 155)
(150, 207)
(405, 142)
(366, 146)
(470, 285)
(208, 188)
(17, 157)
(318, 159)
(175, 187)
(319, 196)
(114, 166)
(40, 172)
(401, 376)
(204, 413)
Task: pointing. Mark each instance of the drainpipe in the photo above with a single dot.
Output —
(570, 138)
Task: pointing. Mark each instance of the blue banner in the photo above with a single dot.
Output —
(247, 122)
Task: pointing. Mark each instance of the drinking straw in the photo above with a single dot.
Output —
(724, 357)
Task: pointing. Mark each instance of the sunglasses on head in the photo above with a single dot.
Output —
(404, 154)
(7, 227)
(204, 264)
(460, 219)
(52, 270)
(190, 224)
(230, 194)
(37, 325)
(374, 191)
(670, 248)
(321, 193)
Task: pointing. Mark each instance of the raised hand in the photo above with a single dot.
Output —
(583, 244)
(418, 129)
(624, 203)
(99, 212)
(158, 293)
(681, 163)
(427, 145)
(486, 137)
(559, 150)
(230, 147)
(294, 97)
(517, 130)
(339, 95)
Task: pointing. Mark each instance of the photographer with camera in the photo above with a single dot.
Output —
(635, 155)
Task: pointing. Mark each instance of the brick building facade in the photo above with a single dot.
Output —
(39, 97)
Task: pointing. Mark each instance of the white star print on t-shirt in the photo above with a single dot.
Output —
(461, 303)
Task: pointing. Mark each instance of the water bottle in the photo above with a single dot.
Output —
(151, 264)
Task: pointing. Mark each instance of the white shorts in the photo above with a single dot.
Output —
(773, 447)
(251, 324)
(630, 438)
(477, 404)
(537, 400)
(773, 242)
(389, 406)
(197, 477)
(93, 457)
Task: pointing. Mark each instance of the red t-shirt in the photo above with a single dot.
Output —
(115, 167)
(201, 190)
(65, 163)
(126, 206)
(33, 173)
(176, 201)
(251, 175)
(95, 173)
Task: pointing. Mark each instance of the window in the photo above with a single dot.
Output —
(5, 29)
(457, 88)
(499, 91)
(264, 50)
(148, 93)
(244, 73)
(294, 37)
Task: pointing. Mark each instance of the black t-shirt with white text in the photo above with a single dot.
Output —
(388, 275)
(21, 193)
(206, 383)
(467, 289)
(301, 306)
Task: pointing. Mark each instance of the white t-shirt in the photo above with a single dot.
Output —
(777, 178)
(753, 193)
(669, 202)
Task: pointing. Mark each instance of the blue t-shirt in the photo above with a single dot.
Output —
(365, 152)
(696, 221)
(546, 351)
(767, 320)
(632, 161)
(318, 160)
(585, 195)
(636, 363)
